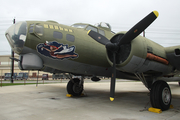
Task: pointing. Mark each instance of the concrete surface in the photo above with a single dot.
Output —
(49, 102)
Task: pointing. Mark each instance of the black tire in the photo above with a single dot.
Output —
(73, 87)
(152, 96)
(160, 95)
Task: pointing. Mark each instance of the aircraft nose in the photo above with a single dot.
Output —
(16, 36)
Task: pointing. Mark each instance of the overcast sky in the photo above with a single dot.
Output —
(120, 14)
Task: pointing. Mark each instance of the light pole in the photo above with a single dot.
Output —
(12, 60)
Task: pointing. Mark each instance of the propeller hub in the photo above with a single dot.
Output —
(112, 47)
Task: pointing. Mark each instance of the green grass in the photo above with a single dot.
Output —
(26, 83)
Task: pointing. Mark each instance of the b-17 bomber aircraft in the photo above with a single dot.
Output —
(87, 50)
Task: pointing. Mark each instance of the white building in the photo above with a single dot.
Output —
(5, 67)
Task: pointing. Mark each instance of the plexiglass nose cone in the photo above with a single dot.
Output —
(16, 36)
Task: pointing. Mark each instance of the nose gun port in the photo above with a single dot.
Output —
(16, 36)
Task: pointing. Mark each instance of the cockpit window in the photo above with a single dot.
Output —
(106, 25)
(39, 30)
(31, 28)
(79, 26)
(91, 28)
(101, 32)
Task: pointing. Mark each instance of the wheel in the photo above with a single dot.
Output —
(74, 88)
(179, 83)
(160, 95)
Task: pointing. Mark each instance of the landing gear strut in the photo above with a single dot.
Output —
(160, 95)
(75, 87)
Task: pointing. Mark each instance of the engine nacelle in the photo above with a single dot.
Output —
(139, 56)
(30, 61)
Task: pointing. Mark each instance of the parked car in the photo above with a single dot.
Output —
(45, 77)
(7, 76)
(22, 76)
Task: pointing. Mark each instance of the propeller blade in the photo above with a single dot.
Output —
(98, 37)
(138, 28)
(113, 78)
(127, 38)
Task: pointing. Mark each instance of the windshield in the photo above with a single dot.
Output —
(103, 25)
(8, 75)
(79, 25)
